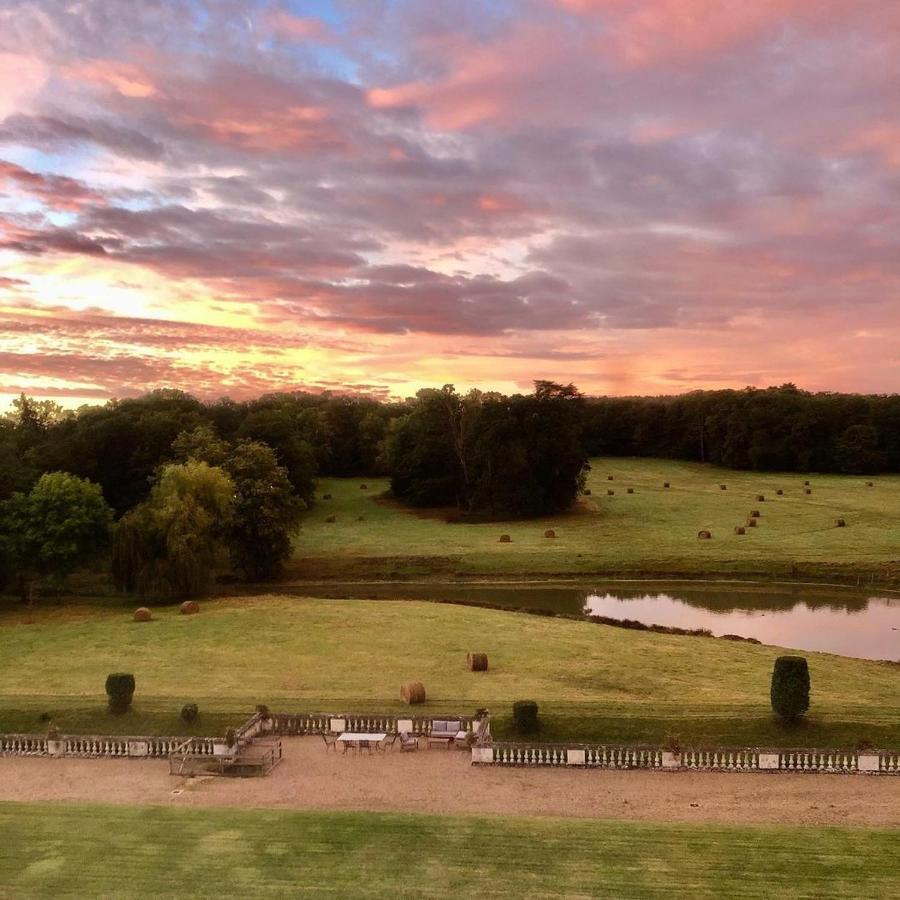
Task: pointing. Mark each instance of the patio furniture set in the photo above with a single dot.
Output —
(443, 732)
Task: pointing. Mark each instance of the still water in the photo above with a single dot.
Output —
(851, 622)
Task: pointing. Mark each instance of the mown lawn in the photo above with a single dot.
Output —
(593, 682)
(654, 530)
(92, 851)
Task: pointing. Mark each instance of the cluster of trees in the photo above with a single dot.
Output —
(488, 454)
(121, 445)
(776, 429)
(194, 486)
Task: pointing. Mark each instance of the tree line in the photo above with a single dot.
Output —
(173, 491)
(779, 429)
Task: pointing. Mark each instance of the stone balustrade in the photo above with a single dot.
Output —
(97, 746)
(875, 762)
(324, 723)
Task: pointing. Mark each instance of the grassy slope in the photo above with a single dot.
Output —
(593, 682)
(140, 852)
(651, 531)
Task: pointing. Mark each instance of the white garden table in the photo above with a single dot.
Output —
(360, 739)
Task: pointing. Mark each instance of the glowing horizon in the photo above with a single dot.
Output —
(637, 196)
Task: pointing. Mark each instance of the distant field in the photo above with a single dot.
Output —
(653, 531)
(593, 682)
(91, 851)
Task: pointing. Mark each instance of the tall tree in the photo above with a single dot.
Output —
(62, 524)
(170, 545)
(265, 511)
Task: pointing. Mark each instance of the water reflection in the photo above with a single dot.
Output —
(867, 627)
(850, 622)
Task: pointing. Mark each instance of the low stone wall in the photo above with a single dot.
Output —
(335, 723)
(872, 762)
(95, 746)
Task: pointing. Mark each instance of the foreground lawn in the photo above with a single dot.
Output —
(48, 850)
(593, 682)
(653, 531)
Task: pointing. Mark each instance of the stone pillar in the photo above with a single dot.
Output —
(768, 762)
(575, 757)
(671, 760)
(138, 748)
(482, 755)
(868, 762)
(337, 725)
(56, 747)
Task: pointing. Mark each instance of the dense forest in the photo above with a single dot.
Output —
(169, 487)
(776, 429)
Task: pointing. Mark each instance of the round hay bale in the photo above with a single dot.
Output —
(840, 523)
(806, 484)
(610, 493)
(505, 539)
(665, 484)
(331, 519)
(780, 492)
(704, 535)
(723, 487)
(870, 484)
(363, 487)
(549, 533)
(807, 491)
(754, 513)
(587, 492)
(326, 496)
(760, 498)
(609, 478)
(142, 614)
(189, 608)
(630, 490)
(751, 523)
(739, 529)
(478, 662)
(413, 692)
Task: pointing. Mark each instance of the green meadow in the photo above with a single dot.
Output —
(593, 682)
(51, 850)
(652, 531)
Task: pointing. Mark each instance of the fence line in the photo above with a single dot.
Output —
(872, 762)
(484, 752)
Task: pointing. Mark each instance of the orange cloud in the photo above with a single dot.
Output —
(125, 78)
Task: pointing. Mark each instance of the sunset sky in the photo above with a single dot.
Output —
(640, 196)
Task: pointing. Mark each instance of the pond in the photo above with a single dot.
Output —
(847, 621)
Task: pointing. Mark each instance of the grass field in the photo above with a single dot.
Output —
(593, 682)
(653, 531)
(91, 851)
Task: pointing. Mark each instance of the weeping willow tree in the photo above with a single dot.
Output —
(168, 546)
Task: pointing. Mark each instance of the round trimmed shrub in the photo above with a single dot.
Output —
(790, 687)
(120, 690)
(525, 716)
(190, 712)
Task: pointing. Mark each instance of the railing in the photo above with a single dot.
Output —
(324, 723)
(23, 745)
(876, 762)
(96, 746)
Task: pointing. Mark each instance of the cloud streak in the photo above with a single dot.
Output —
(621, 192)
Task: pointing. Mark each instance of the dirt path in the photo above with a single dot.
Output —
(442, 781)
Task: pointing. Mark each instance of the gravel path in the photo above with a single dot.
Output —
(443, 781)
